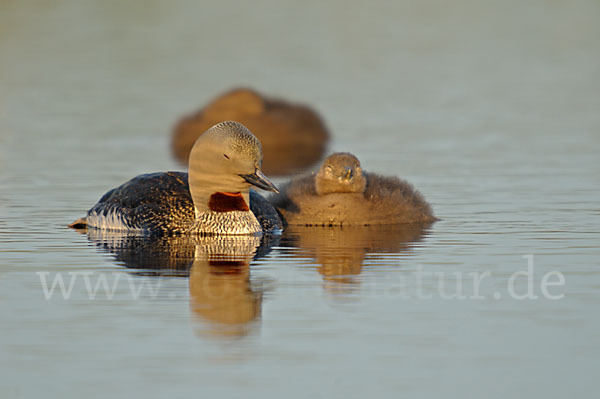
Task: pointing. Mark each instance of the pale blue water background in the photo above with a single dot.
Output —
(490, 108)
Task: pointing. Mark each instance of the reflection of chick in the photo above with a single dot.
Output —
(340, 252)
(339, 267)
(293, 136)
(341, 194)
(220, 285)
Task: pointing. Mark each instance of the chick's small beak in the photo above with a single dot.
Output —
(259, 180)
(348, 174)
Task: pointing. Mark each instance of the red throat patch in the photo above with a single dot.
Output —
(227, 202)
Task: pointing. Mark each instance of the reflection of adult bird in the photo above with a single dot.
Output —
(294, 137)
(340, 251)
(149, 255)
(342, 194)
(161, 255)
(218, 267)
(214, 198)
(220, 288)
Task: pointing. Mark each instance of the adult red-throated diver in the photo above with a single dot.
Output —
(213, 198)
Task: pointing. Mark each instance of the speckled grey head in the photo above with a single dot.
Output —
(237, 137)
(226, 158)
(340, 173)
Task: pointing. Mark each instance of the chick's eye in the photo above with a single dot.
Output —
(225, 155)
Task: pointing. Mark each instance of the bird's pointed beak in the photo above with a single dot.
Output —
(259, 180)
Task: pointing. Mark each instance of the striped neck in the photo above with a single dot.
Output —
(233, 222)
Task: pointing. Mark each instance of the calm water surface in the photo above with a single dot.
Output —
(490, 109)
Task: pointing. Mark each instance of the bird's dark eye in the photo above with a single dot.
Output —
(225, 155)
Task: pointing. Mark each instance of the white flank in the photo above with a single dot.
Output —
(113, 220)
